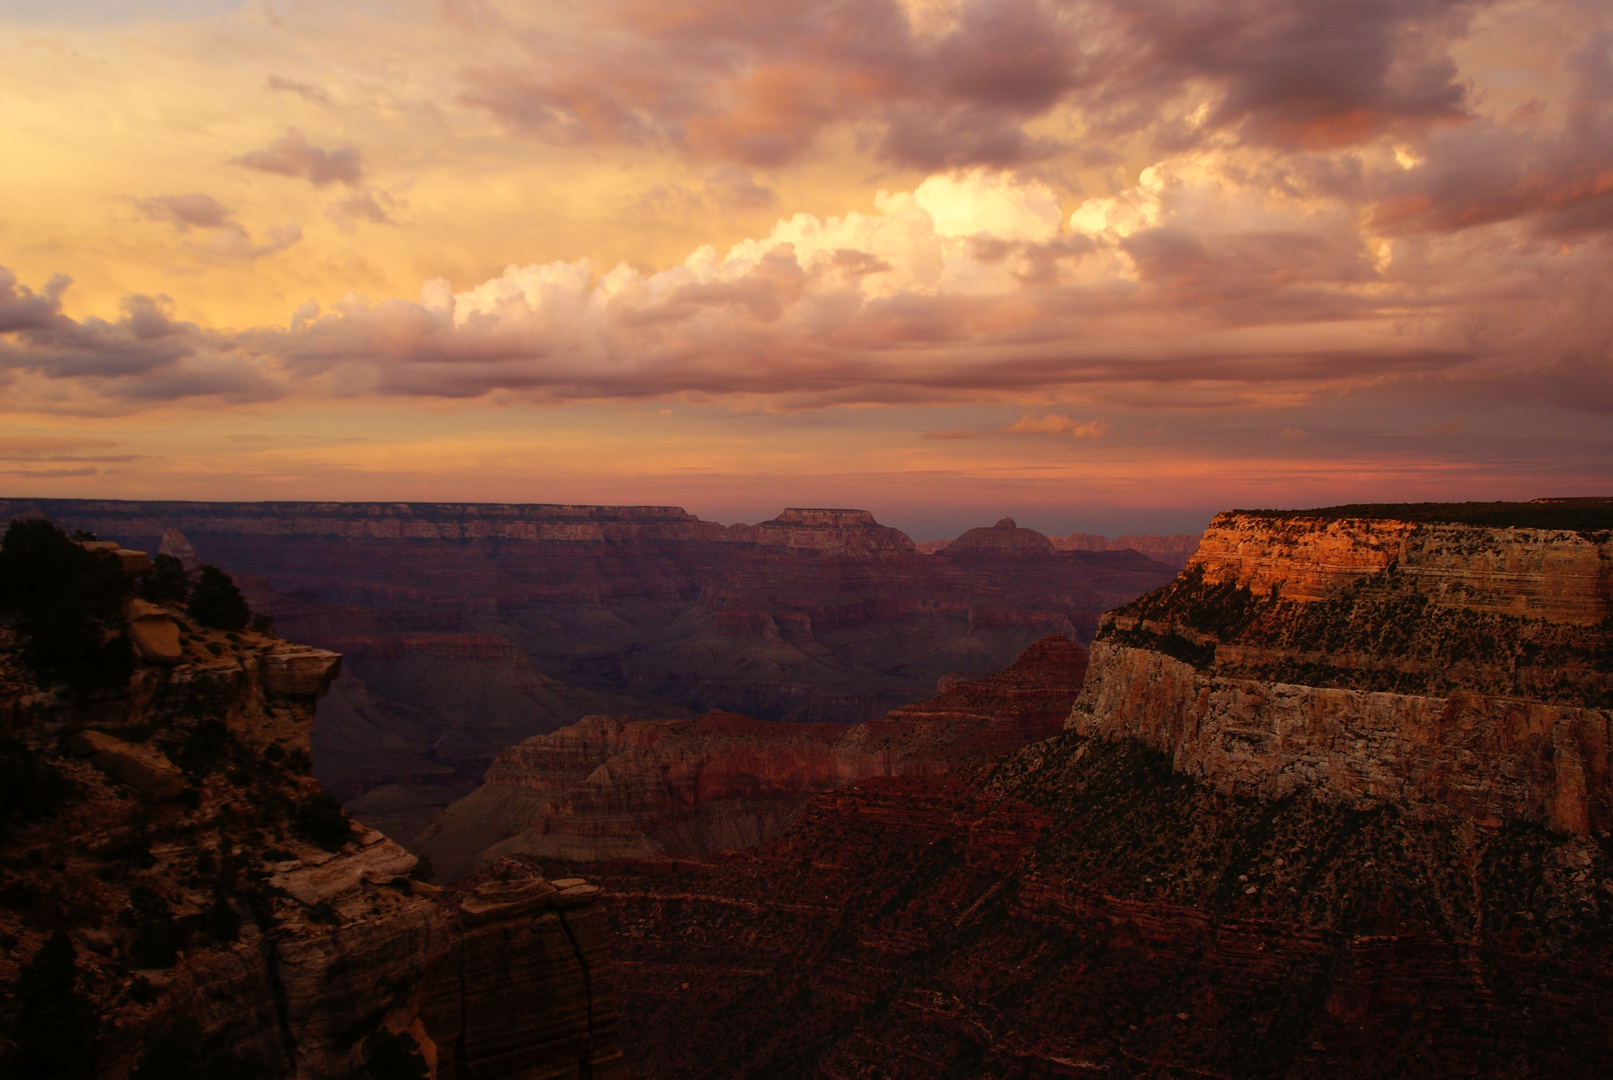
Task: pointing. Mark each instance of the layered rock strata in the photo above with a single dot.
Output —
(469, 627)
(1464, 666)
(611, 787)
(169, 838)
(1083, 910)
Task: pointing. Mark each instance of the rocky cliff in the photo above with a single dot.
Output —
(1467, 666)
(179, 898)
(612, 787)
(1334, 803)
(1081, 909)
(469, 627)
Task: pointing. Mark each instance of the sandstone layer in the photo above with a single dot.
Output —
(1463, 666)
(611, 787)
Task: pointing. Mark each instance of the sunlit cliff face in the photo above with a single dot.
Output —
(1005, 254)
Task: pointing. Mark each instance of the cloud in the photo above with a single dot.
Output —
(1211, 284)
(1058, 424)
(359, 206)
(956, 84)
(950, 434)
(22, 309)
(233, 242)
(303, 90)
(294, 155)
(198, 210)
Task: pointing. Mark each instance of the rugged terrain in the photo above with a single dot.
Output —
(178, 898)
(613, 787)
(1401, 865)
(470, 627)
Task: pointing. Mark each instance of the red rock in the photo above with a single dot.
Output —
(610, 787)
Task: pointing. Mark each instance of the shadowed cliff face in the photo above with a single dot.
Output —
(611, 787)
(178, 897)
(1081, 909)
(468, 628)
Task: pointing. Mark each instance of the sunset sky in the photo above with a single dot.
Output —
(1107, 265)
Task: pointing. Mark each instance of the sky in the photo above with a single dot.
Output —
(1103, 265)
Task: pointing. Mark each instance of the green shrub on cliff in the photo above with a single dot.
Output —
(67, 602)
(217, 602)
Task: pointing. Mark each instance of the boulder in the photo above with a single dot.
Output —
(154, 632)
(296, 671)
(141, 768)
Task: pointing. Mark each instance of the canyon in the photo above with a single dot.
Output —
(467, 628)
(611, 787)
(1333, 803)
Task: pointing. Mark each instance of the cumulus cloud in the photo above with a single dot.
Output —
(1210, 283)
(294, 155)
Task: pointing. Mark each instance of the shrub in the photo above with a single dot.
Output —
(223, 920)
(216, 602)
(29, 786)
(54, 1028)
(392, 1057)
(179, 1051)
(68, 603)
(423, 870)
(263, 624)
(323, 821)
(167, 580)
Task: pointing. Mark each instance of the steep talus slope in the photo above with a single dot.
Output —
(612, 787)
(469, 627)
(179, 898)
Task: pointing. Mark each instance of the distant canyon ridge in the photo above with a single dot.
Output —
(467, 628)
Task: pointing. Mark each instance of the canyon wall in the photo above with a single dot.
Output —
(469, 627)
(175, 894)
(1465, 666)
(1081, 909)
(612, 787)
(1334, 803)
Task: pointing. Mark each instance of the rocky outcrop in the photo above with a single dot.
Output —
(1005, 536)
(1493, 760)
(1421, 663)
(521, 940)
(1558, 575)
(611, 787)
(214, 909)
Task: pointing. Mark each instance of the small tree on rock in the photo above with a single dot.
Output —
(167, 580)
(217, 602)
